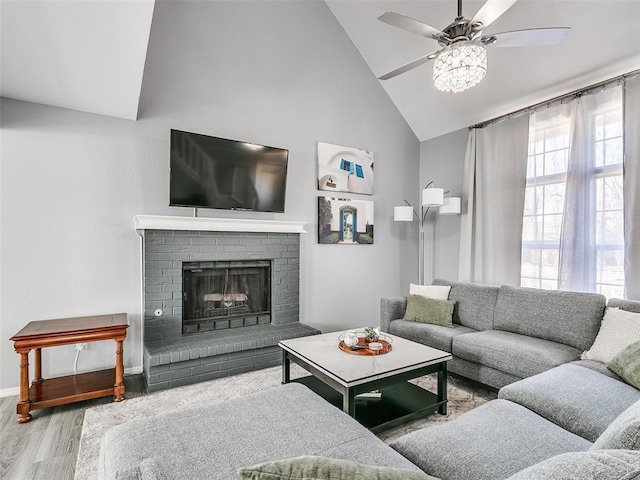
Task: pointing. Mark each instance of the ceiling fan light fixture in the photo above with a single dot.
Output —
(459, 66)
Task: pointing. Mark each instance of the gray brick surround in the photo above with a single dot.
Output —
(171, 359)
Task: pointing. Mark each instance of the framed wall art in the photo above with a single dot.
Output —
(345, 169)
(345, 221)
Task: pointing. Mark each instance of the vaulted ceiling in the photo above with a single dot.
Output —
(89, 55)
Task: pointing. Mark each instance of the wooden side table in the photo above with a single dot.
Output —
(72, 388)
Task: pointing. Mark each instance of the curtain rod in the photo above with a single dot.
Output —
(574, 93)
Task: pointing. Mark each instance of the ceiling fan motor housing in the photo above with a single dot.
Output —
(460, 30)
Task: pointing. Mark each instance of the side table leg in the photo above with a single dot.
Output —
(286, 366)
(442, 389)
(38, 366)
(24, 405)
(118, 388)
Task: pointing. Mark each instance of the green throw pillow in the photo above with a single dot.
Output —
(322, 468)
(626, 364)
(429, 310)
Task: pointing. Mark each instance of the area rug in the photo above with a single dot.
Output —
(97, 420)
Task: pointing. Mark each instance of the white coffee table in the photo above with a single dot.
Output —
(351, 375)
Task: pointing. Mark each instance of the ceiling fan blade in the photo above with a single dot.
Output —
(408, 66)
(410, 24)
(490, 11)
(527, 38)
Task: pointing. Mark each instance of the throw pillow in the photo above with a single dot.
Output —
(603, 465)
(626, 364)
(439, 292)
(322, 468)
(429, 310)
(623, 433)
(619, 329)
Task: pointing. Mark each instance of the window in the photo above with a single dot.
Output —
(346, 165)
(545, 195)
(359, 171)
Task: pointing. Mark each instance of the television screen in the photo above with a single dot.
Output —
(212, 172)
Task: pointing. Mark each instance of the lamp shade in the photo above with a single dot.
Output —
(451, 206)
(432, 197)
(403, 213)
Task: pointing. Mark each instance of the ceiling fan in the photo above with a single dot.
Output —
(461, 63)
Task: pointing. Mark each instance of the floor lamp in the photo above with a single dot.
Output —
(431, 197)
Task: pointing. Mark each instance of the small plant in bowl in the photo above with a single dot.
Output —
(371, 334)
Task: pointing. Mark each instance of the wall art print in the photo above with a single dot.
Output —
(345, 221)
(345, 169)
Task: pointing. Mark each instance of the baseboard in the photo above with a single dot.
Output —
(9, 392)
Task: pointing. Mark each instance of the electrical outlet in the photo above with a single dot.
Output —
(82, 346)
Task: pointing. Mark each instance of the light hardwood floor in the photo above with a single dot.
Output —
(46, 448)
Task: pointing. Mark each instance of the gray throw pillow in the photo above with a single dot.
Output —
(626, 364)
(429, 310)
(322, 468)
(623, 432)
(603, 465)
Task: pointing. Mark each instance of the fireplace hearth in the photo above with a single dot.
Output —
(218, 294)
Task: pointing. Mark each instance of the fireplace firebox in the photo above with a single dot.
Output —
(225, 294)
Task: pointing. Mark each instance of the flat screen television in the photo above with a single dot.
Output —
(212, 172)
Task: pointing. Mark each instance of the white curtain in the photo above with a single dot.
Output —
(632, 188)
(575, 268)
(493, 201)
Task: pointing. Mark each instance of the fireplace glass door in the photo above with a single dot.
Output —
(218, 295)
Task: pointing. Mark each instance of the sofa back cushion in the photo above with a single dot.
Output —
(475, 303)
(623, 433)
(628, 305)
(570, 318)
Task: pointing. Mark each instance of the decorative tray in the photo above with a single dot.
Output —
(386, 347)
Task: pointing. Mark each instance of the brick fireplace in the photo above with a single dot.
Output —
(228, 330)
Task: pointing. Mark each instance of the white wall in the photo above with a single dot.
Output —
(275, 73)
(442, 161)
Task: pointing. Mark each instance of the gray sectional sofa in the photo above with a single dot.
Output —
(502, 334)
(570, 422)
(555, 418)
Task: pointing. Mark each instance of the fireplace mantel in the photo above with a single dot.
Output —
(209, 224)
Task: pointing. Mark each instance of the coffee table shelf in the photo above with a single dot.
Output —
(397, 404)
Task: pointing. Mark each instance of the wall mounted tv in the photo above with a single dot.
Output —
(212, 172)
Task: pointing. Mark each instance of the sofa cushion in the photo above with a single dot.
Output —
(618, 330)
(578, 399)
(627, 364)
(601, 465)
(628, 305)
(429, 310)
(435, 336)
(564, 317)
(481, 373)
(509, 352)
(487, 443)
(475, 303)
(624, 431)
(241, 432)
(598, 367)
(323, 468)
